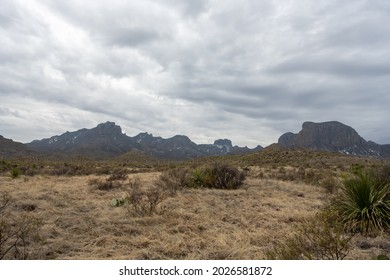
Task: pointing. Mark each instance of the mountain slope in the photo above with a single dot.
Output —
(332, 136)
(107, 140)
(9, 148)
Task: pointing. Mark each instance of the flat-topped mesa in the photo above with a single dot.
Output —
(329, 136)
(223, 142)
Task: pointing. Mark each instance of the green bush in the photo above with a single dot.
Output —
(320, 238)
(381, 257)
(217, 176)
(15, 173)
(364, 204)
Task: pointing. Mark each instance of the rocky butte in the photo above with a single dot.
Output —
(333, 136)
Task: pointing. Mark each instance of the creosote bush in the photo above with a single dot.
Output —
(174, 179)
(115, 180)
(143, 202)
(320, 238)
(213, 176)
(217, 176)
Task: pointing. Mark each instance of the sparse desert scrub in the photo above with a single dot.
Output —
(330, 184)
(115, 180)
(364, 204)
(319, 238)
(217, 176)
(306, 175)
(19, 234)
(80, 222)
(141, 201)
(214, 176)
(174, 179)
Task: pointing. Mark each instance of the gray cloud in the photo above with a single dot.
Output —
(248, 70)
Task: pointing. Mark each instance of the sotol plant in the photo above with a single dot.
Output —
(364, 204)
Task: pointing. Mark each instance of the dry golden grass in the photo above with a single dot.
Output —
(81, 223)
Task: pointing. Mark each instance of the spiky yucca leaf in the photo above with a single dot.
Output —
(364, 205)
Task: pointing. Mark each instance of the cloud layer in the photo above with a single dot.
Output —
(245, 70)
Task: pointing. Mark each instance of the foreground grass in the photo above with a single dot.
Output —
(81, 223)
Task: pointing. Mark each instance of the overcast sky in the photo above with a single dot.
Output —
(247, 70)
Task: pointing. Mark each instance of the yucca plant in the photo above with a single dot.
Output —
(364, 204)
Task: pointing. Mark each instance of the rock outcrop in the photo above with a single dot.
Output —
(332, 136)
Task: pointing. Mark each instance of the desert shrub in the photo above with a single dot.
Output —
(15, 173)
(218, 176)
(120, 175)
(4, 165)
(174, 179)
(107, 185)
(143, 202)
(381, 257)
(329, 184)
(115, 180)
(364, 204)
(381, 175)
(29, 170)
(18, 233)
(320, 238)
(356, 168)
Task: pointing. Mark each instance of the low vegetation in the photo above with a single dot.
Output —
(320, 238)
(268, 205)
(19, 234)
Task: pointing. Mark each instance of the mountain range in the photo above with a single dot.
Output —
(106, 140)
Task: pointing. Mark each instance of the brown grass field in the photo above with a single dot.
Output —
(78, 220)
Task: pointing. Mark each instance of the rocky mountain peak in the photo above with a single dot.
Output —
(223, 143)
(332, 135)
(108, 128)
(329, 136)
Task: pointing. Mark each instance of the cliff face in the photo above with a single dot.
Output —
(332, 136)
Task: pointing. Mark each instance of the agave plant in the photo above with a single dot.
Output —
(364, 204)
